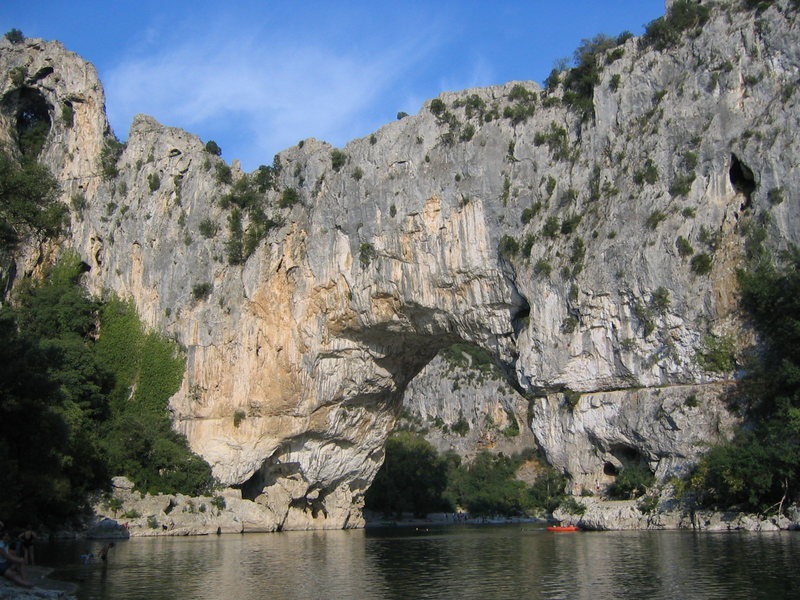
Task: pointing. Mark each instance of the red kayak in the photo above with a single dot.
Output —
(564, 528)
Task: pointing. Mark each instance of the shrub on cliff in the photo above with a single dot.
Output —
(15, 36)
(213, 148)
(683, 16)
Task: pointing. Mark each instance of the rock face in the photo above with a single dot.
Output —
(465, 406)
(627, 514)
(592, 257)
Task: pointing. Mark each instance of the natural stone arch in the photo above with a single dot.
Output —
(326, 346)
(29, 111)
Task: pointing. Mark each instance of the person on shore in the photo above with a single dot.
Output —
(26, 538)
(12, 567)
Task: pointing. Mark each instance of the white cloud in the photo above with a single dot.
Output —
(273, 93)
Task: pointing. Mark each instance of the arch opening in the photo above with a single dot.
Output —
(30, 112)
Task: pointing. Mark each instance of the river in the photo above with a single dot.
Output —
(457, 561)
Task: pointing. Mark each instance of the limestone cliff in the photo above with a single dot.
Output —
(591, 254)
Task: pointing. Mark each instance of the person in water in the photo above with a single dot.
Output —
(12, 567)
(104, 551)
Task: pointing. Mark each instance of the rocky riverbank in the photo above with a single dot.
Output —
(129, 513)
(140, 515)
(633, 514)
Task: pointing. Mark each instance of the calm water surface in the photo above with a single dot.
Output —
(464, 562)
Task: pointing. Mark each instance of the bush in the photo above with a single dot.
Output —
(571, 506)
(437, 107)
(684, 247)
(660, 299)
(67, 114)
(461, 426)
(238, 417)
(213, 148)
(28, 202)
(109, 156)
(18, 75)
(488, 486)
(718, 354)
(632, 482)
(338, 159)
(223, 173)
(547, 491)
(579, 82)
(529, 213)
(701, 264)
(201, 291)
(542, 268)
(654, 219)
(15, 36)
(99, 399)
(289, 197)
(208, 228)
(648, 174)
(366, 253)
(759, 469)
(153, 181)
(551, 227)
(683, 16)
(235, 243)
(682, 185)
(509, 247)
(557, 141)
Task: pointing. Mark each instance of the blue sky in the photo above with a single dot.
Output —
(257, 77)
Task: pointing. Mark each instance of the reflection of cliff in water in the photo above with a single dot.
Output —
(467, 562)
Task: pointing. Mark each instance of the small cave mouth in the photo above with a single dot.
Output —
(271, 470)
(30, 112)
(610, 470)
(521, 318)
(743, 181)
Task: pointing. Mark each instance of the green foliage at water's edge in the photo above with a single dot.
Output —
(759, 469)
(83, 396)
(416, 478)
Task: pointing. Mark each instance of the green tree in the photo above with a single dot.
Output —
(488, 486)
(213, 148)
(412, 479)
(28, 202)
(15, 36)
(759, 469)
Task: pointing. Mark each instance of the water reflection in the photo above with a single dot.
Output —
(461, 562)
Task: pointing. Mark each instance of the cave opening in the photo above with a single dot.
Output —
(610, 470)
(743, 180)
(30, 113)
